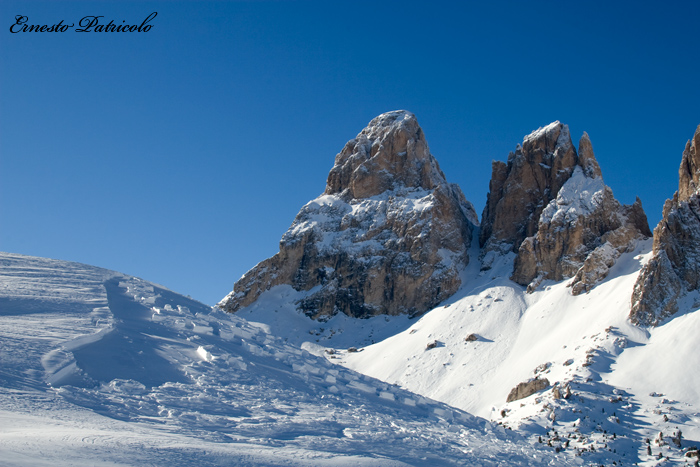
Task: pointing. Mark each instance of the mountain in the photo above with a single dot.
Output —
(537, 337)
(673, 273)
(507, 343)
(550, 206)
(388, 236)
(100, 368)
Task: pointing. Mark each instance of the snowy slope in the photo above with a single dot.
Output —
(99, 368)
(517, 333)
(584, 343)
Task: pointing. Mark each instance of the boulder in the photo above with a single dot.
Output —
(527, 388)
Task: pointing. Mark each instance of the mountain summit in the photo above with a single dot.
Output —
(389, 235)
(550, 206)
(674, 268)
(390, 153)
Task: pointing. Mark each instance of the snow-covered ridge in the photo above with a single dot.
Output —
(138, 375)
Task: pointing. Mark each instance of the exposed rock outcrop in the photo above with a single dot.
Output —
(527, 388)
(388, 236)
(674, 268)
(580, 235)
(561, 392)
(520, 189)
(549, 204)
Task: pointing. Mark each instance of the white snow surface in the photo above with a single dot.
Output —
(102, 369)
(580, 195)
(585, 343)
(353, 226)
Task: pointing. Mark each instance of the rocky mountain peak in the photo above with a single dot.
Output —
(586, 158)
(550, 206)
(390, 153)
(388, 236)
(689, 171)
(674, 269)
(520, 189)
(548, 140)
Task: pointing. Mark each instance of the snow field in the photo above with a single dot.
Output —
(585, 343)
(143, 376)
(490, 336)
(137, 371)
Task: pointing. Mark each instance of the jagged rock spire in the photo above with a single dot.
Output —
(586, 158)
(689, 171)
(549, 205)
(674, 268)
(520, 189)
(388, 236)
(391, 152)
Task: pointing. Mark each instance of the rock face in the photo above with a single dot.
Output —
(388, 236)
(520, 189)
(550, 206)
(559, 392)
(674, 268)
(527, 388)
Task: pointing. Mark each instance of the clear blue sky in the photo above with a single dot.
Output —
(182, 154)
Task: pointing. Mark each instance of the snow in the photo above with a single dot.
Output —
(538, 133)
(580, 195)
(352, 226)
(276, 308)
(670, 353)
(585, 343)
(99, 368)
(89, 377)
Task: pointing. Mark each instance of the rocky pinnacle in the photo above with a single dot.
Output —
(389, 235)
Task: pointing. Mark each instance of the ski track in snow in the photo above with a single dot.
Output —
(99, 368)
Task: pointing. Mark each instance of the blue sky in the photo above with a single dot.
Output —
(182, 154)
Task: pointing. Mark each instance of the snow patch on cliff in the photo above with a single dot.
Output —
(579, 196)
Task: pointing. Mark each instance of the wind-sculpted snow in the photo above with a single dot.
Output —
(149, 377)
